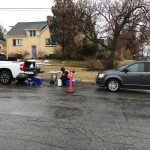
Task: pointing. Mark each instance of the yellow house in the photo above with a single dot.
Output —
(31, 39)
(2, 46)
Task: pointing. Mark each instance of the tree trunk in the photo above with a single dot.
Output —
(111, 62)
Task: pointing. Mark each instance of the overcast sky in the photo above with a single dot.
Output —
(10, 18)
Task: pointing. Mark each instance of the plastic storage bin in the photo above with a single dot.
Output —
(38, 81)
(68, 82)
(30, 82)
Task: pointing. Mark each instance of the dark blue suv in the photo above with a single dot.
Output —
(135, 75)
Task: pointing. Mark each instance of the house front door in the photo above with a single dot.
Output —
(34, 51)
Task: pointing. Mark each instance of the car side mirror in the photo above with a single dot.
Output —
(126, 70)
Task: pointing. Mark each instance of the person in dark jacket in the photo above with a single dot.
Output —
(64, 76)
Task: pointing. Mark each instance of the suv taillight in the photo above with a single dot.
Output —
(22, 67)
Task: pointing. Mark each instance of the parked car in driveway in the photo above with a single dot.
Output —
(135, 75)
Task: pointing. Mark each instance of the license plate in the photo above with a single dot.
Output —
(29, 72)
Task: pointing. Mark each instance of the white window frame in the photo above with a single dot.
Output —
(49, 42)
(17, 42)
(32, 33)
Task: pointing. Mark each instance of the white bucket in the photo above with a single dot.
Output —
(59, 82)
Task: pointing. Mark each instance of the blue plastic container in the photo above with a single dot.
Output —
(30, 82)
(68, 82)
(38, 81)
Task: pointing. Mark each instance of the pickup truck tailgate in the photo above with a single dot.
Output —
(30, 67)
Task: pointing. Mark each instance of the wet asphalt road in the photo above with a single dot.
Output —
(48, 118)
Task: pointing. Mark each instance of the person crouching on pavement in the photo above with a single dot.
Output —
(64, 76)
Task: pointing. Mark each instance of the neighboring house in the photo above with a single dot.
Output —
(32, 38)
(2, 46)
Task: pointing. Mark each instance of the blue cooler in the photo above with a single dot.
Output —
(30, 82)
(38, 81)
(68, 82)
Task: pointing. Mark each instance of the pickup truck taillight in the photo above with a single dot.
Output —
(22, 67)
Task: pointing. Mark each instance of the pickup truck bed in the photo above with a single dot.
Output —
(14, 70)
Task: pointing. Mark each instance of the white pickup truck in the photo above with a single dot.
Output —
(15, 70)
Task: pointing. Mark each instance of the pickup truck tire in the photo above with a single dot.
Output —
(5, 77)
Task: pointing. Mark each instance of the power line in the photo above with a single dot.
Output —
(25, 9)
(22, 10)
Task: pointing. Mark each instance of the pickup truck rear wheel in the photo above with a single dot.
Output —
(5, 77)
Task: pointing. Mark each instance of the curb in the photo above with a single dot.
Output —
(77, 81)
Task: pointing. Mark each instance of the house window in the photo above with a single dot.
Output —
(49, 42)
(17, 42)
(32, 33)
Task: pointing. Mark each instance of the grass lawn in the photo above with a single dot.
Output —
(81, 74)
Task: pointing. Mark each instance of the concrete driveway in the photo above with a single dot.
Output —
(48, 118)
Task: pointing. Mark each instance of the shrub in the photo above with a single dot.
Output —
(83, 51)
(58, 53)
(106, 59)
(127, 54)
(25, 54)
(109, 64)
(40, 55)
(15, 56)
(49, 56)
(103, 54)
(88, 50)
(91, 63)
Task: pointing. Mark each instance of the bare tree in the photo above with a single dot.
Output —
(108, 20)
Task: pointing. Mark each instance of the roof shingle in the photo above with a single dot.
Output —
(20, 27)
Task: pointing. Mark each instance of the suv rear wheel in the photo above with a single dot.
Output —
(113, 85)
(5, 77)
